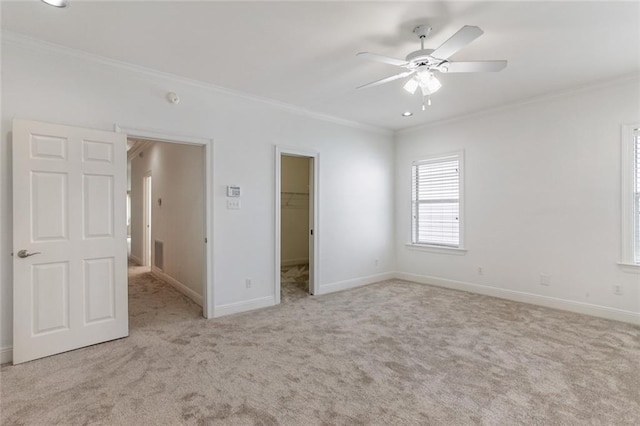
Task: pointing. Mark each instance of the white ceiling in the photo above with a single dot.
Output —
(304, 53)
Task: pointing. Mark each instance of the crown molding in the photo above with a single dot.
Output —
(10, 38)
(588, 87)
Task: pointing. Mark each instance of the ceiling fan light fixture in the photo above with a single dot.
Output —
(428, 82)
(412, 85)
(57, 3)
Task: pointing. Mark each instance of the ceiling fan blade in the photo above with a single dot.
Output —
(464, 36)
(383, 59)
(478, 66)
(387, 79)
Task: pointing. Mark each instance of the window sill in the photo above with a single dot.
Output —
(632, 268)
(457, 251)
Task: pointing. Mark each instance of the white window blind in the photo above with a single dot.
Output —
(436, 201)
(636, 193)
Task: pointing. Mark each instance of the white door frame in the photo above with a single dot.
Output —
(314, 267)
(164, 136)
(147, 209)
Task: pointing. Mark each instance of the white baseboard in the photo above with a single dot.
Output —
(135, 259)
(177, 285)
(6, 355)
(293, 262)
(533, 299)
(355, 282)
(247, 305)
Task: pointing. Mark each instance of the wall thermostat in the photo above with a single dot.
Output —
(233, 191)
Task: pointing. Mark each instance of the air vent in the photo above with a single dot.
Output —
(158, 259)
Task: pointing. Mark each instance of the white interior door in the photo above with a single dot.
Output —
(69, 238)
(312, 189)
(146, 220)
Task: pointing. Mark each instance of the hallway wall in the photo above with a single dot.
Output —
(177, 173)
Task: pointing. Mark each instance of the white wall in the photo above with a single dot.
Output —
(177, 173)
(356, 165)
(542, 196)
(295, 210)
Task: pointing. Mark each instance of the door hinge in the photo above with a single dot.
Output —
(312, 232)
(205, 240)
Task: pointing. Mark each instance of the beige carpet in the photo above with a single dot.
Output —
(389, 353)
(294, 283)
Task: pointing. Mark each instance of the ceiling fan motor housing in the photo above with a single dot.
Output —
(423, 56)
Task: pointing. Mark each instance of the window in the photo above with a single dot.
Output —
(631, 195)
(437, 201)
(636, 193)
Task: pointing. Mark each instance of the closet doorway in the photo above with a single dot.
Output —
(296, 233)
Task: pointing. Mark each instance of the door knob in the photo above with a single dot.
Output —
(23, 253)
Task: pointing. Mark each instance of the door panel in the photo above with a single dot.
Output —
(50, 297)
(49, 203)
(98, 206)
(99, 287)
(69, 189)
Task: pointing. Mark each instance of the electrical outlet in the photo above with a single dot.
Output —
(247, 282)
(545, 279)
(480, 270)
(617, 289)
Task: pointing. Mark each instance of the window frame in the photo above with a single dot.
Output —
(630, 261)
(440, 248)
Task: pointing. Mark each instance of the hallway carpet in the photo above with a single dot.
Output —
(389, 353)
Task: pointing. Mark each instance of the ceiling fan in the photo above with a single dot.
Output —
(422, 63)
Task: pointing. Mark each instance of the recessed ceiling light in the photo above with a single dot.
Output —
(56, 3)
(407, 114)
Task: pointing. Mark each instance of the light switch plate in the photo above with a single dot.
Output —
(233, 204)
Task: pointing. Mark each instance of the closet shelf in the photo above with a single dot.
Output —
(294, 200)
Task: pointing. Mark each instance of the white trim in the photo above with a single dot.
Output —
(6, 355)
(147, 219)
(458, 251)
(244, 306)
(355, 282)
(182, 288)
(294, 262)
(208, 289)
(155, 135)
(28, 43)
(631, 268)
(533, 299)
(438, 158)
(591, 86)
(314, 259)
(135, 259)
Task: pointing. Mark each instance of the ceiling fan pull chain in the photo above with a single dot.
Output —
(428, 102)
